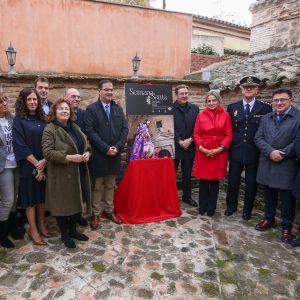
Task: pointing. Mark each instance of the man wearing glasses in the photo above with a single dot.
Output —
(107, 130)
(73, 96)
(245, 117)
(278, 166)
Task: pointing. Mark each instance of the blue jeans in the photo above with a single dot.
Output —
(9, 181)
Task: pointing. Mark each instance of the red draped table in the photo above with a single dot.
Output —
(148, 192)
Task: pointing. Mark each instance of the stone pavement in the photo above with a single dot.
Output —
(191, 257)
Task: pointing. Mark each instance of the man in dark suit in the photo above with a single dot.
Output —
(41, 84)
(185, 115)
(73, 96)
(107, 130)
(245, 117)
(278, 164)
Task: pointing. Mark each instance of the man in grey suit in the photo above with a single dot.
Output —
(107, 130)
(278, 164)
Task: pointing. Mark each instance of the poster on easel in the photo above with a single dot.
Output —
(149, 111)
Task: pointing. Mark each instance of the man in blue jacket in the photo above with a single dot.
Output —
(245, 116)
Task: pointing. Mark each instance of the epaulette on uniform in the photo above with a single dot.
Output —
(265, 102)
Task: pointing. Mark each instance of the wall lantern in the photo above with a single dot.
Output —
(11, 54)
(135, 66)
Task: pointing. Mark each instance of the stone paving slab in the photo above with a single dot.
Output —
(190, 257)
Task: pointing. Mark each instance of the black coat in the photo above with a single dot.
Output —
(296, 189)
(243, 148)
(184, 122)
(103, 134)
(79, 118)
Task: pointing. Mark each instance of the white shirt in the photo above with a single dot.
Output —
(250, 103)
(10, 156)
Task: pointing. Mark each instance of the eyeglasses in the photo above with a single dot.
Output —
(281, 100)
(107, 90)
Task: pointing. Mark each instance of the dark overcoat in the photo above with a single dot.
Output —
(79, 118)
(27, 138)
(103, 134)
(184, 123)
(296, 187)
(272, 135)
(243, 148)
(63, 186)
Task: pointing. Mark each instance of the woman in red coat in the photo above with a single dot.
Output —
(212, 136)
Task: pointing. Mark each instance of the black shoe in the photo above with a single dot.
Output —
(296, 242)
(229, 211)
(246, 217)
(7, 243)
(69, 243)
(190, 201)
(210, 213)
(79, 236)
(82, 221)
(16, 231)
(202, 212)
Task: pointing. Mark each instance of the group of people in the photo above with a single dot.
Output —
(49, 153)
(46, 162)
(261, 142)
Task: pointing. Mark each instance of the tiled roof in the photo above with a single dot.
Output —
(272, 69)
(214, 20)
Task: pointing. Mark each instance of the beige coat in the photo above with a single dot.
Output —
(63, 189)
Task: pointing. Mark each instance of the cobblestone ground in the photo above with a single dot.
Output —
(191, 257)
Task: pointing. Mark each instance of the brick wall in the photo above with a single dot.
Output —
(200, 61)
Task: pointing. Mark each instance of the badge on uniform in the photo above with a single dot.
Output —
(235, 113)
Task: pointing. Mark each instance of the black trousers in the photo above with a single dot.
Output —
(208, 195)
(288, 206)
(234, 179)
(67, 224)
(186, 168)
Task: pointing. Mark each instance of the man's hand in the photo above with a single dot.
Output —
(185, 143)
(112, 151)
(277, 155)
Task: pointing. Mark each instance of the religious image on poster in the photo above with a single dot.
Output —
(150, 120)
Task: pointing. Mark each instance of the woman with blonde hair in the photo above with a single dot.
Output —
(212, 136)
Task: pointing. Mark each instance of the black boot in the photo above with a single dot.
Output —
(17, 232)
(73, 231)
(4, 240)
(63, 224)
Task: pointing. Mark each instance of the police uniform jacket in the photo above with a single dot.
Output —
(184, 122)
(273, 135)
(243, 148)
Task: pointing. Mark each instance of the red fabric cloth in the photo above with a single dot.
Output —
(148, 192)
(212, 129)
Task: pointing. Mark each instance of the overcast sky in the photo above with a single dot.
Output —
(236, 11)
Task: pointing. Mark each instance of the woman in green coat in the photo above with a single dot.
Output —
(67, 152)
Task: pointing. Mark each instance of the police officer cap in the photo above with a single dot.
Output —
(249, 81)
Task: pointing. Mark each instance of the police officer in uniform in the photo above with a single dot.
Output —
(245, 117)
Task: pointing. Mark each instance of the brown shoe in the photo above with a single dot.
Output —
(114, 218)
(264, 225)
(287, 236)
(94, 222)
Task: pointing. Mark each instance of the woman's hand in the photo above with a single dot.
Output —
(41, 164)
(86, 156)
(75, 158)
(40, 176)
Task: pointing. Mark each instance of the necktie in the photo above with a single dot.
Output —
(247, 109)
(279, 117)
(107, 111)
